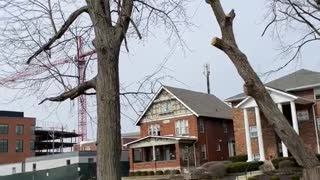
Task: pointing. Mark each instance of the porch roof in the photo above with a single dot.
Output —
(278, 96)
(149, 141)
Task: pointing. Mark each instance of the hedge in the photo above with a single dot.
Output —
(239, 158)
(276, 161)
(239, 167)
(159, 172)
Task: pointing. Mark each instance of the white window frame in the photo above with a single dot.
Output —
(218, 147)
(317, 93)
(253, 131)
(166, 107)
(154, 130)
(201, 126)
(182, 127)
(204, 150)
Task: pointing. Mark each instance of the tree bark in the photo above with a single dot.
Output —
(254, 87)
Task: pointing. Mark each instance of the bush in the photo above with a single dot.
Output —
(239, 158)
(150, 173)
(197, 173)
(132, 174)
(159, 172)
(274, 178)
(295, 178)
(144, 173)
(176, 171)
(266, 166)
(217, 170)
(252, 178)
(285, 164)
(167, 172)
(205, 177)
(275, 162)
(239, 167)
(137, 173)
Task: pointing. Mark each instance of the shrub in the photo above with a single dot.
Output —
(252, 178)
(167, 172)
(159, 172)
(239, 167)
(205, 177)
(176, 171)
(275, 162)
(239, 158)
(144, 173)
(295, 178)
(217, 170)
(132, 174)
(137, 173)
(266, 166)
(274, 178)
(197, 173)
(285, 164)
(150, 173)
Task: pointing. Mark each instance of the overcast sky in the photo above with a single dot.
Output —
(186, 66)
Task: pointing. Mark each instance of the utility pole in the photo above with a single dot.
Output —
(206, 73)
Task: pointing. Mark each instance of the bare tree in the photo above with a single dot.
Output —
(36, 32)
(254, 87)
(300, 19)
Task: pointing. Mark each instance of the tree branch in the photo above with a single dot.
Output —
(73, 16)
(74, 92)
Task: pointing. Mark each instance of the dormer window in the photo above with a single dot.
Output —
(166, 107)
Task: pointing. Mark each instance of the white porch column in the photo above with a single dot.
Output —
(284, 147)
(248, 139)
(294, 116)
(260, 137)
(154, 153)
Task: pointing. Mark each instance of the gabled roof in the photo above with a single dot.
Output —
(200, 104)
(300, 79)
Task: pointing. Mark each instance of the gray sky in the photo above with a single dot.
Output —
(186, 66)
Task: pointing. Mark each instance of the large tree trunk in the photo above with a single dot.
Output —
(255, 88)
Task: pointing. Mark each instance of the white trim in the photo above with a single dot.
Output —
(171, 117)
(303, 87)
(154, 97)
(235, 99)
(269, 89)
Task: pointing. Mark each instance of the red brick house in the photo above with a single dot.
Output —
(180, 129)
(297, 96)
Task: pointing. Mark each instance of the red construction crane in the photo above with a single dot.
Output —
(36, 70)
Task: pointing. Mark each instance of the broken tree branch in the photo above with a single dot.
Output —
(74, 92)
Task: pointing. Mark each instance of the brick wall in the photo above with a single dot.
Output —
(306, 128)
(167, 126)
(12, 156)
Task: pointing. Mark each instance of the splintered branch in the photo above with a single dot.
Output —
(73, 16)
(74, 92)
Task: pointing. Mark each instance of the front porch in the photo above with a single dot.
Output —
(297, 110)
(160, 153)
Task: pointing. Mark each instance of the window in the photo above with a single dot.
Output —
(182, 127)
(4, 128)
(3, 145)
(90, 160)
(19, 146)
(19, 129)
(32, 130)
(317, 93)
(32, 145)
(68, 162)
(34, 167)
(225, 127)
(201, 126)
(166, 107)
(303, 115)
(204, 152)
(253, 131)
(218, 147)
(154, 130)
(14, 170)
